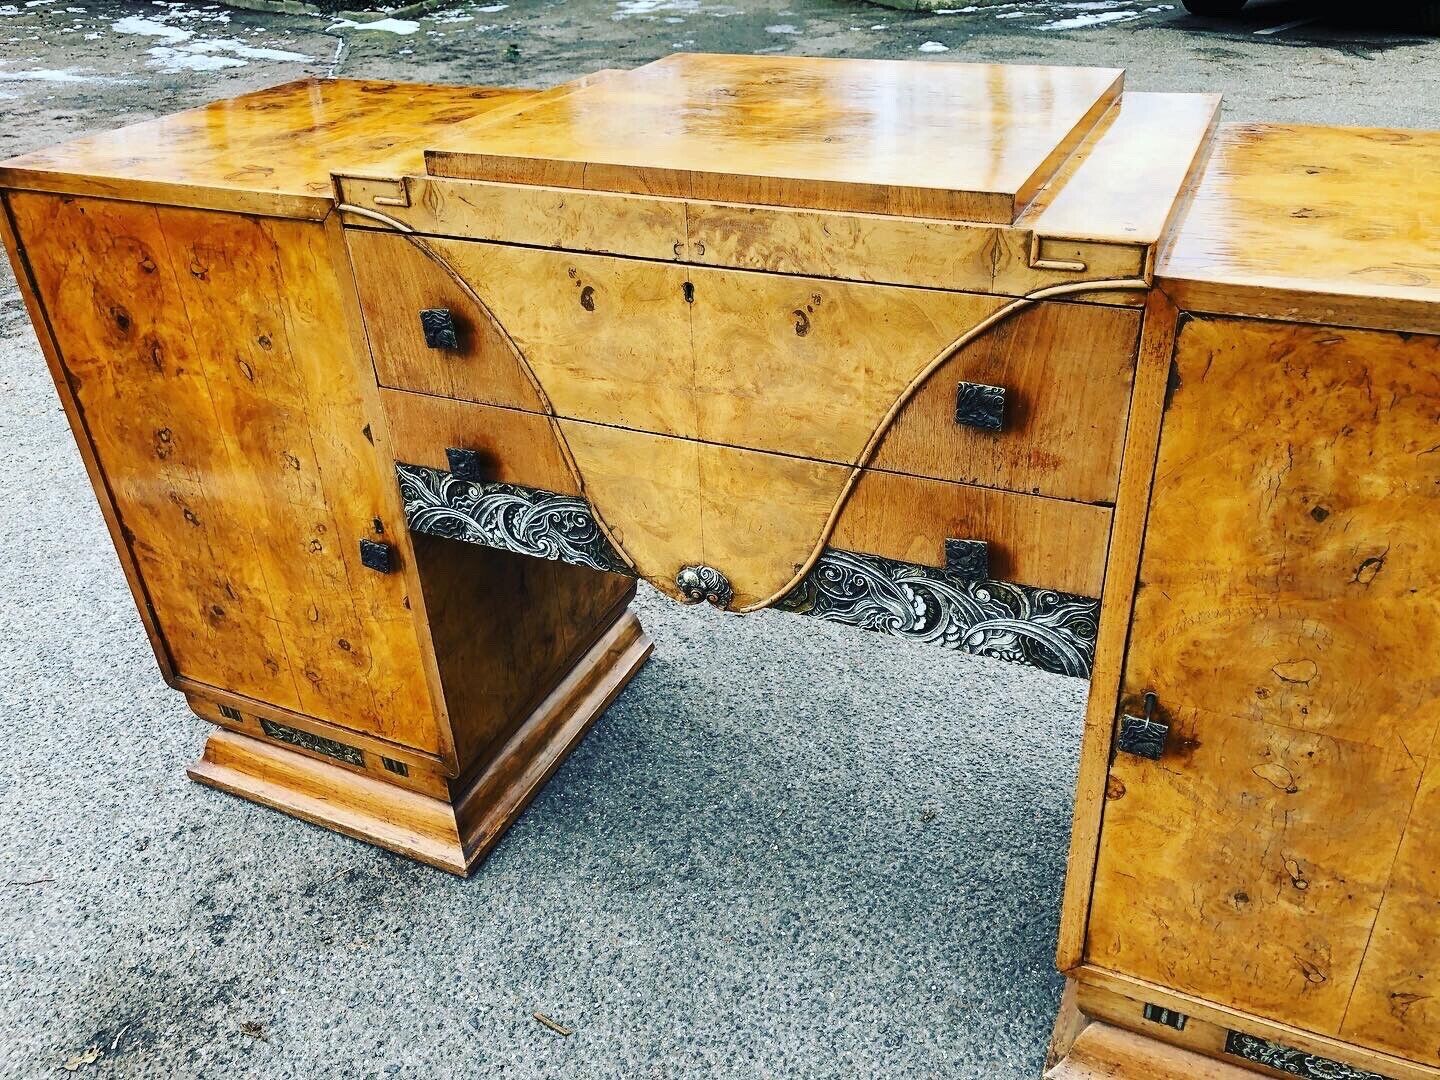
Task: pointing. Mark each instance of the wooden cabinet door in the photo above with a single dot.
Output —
(1287, 618)
(210, 360)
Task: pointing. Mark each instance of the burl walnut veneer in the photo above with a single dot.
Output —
(390, 393)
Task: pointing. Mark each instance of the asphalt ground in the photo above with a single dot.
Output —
(788, 850)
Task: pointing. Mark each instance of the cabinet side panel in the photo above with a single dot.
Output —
(1285, 618)
(20, 263)
(209, 358)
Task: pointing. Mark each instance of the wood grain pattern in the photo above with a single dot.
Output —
(1289, 571)
(1280, 840)
(1047, 543)
(93, 471)
(506, 630)
(758, 516)
(1305, 223)
(972, 142)
(223, 403)
(959, 255)
(1122, 565)
(396, 280)
(1124, 181)
(1394, 1006)
(1105, 1052)
(794, 365)
(1285, 629)
(270, 151)
(455, 832)
(517, 447)
(1207, 1012)
(1066, 370)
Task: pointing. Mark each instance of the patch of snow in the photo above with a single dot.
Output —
(386, 26)
(1079, 22)
(1014, 15)
(934, 46)
(54, 75)
(955, 10)
(133, 24)
(170, 59)
(782, 28)
(626, 8)
(493, 7)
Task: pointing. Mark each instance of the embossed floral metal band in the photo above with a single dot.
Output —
(938, 606)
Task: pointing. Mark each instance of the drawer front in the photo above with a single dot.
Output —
(766, 522)
(1037, 404)
(806, 367)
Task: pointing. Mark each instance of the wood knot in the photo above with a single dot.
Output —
(1296, 671)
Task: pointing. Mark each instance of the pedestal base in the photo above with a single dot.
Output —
(452, 835)
(1103, 1052)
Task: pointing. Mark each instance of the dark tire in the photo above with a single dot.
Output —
(1214, 7)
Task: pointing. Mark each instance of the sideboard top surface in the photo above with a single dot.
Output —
(270, 151)
(939, 140)
(1323, 224)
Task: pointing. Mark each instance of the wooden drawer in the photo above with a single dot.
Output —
(759, 518)
(807, 367)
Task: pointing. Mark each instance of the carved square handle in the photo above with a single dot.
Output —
(438, 326)
(979, 405)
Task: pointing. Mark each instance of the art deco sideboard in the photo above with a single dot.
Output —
(390, 393)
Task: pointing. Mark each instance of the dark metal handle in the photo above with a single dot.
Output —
(378, 556)
(979, 405)
(465, 464)
(1143, 736)
(438, 326)
(969, 560)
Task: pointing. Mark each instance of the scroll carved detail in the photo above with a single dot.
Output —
(1287, 1059)
(1051, 630)
(525, 521)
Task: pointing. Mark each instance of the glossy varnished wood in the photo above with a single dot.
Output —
(756, 516)
(1122, 562)
(267, 152)
(1285, 628)
(222, 399)
(1066, 370)
(967, 141)
(454, 832)
(1317, 224)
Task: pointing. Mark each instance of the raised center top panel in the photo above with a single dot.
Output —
(970, 142)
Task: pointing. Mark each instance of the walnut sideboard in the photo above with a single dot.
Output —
(391, 393)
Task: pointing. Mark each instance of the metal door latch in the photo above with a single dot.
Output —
(1143, 736)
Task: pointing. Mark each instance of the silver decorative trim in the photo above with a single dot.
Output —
(701, 582)
(316, 744)
(522, 520)
(1047, 629)
(1287, 1059)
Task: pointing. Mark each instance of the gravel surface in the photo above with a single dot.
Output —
(789, 849)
